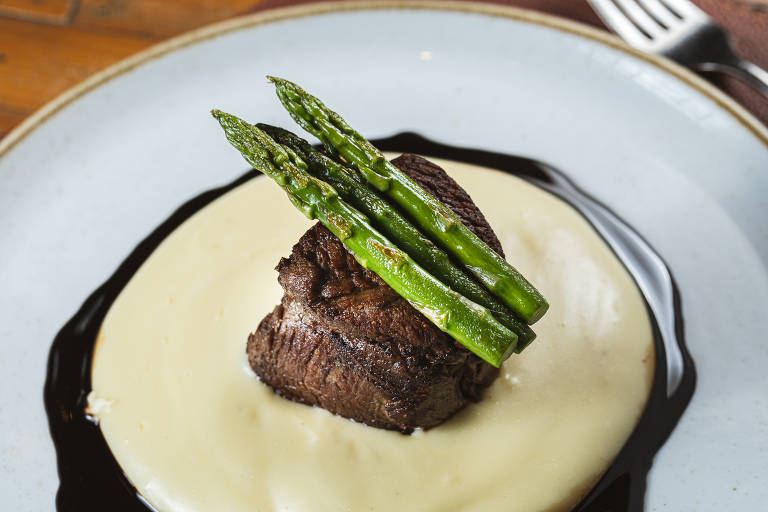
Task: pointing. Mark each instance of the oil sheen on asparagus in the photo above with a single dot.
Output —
(466, 321)
(398, 229)
(432, 216)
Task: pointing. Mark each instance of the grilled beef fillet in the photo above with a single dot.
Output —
(343, 340)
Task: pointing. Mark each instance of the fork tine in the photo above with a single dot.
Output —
(639, 17)
(614, 18)
(661, 12)
(686, 9)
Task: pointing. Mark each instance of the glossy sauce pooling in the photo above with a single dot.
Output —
(91, 479)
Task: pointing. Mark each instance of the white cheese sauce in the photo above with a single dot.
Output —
(193, 428)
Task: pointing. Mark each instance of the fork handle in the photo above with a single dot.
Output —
(742, 69)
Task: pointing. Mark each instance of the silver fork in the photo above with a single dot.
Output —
(680, 31)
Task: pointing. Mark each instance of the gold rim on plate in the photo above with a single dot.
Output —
(270, 16)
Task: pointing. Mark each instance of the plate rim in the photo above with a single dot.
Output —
(38, 117)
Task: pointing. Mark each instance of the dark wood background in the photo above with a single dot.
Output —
(47, 46)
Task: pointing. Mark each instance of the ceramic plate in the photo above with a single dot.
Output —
(95, 171)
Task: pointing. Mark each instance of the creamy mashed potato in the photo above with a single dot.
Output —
(193, 429)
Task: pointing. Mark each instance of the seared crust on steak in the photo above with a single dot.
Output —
(343, 340)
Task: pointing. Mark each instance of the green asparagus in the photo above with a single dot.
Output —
(432, 216)
(398, 229)
(467, 322)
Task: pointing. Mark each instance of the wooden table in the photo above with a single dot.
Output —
(47, 46)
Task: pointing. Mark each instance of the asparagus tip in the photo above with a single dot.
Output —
(229, 121)
(218, 114)
(285, 84)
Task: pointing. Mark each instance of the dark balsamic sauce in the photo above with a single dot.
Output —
(91, 479)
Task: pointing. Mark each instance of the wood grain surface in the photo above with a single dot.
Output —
(47, 46)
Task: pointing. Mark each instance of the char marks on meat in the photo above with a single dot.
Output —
(343, 340)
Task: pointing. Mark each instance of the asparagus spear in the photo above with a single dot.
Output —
(467, 322)
(437, 220)
(398, 229)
